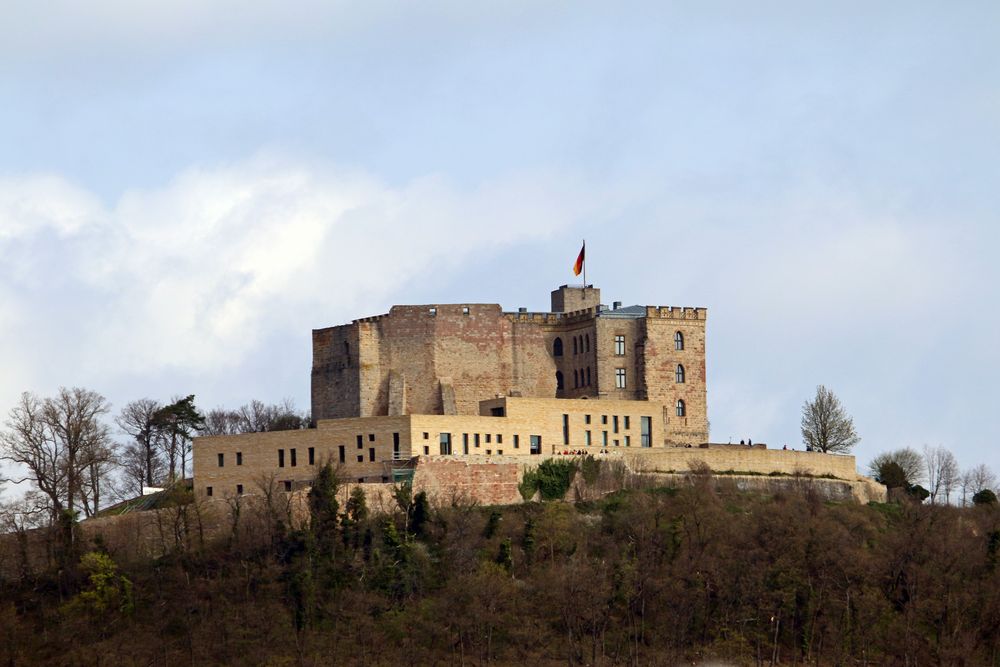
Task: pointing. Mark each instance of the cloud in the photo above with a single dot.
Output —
(192, 276)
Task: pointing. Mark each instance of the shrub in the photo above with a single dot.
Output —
(551, 479)
(985, 497)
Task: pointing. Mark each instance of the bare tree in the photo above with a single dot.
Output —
(826, 426)
(138, 419)
(255, 417)
(63, 446)
(942, 472)
(977, 479)
(73, 417)
(910, 462)
(28, 441)
(221, 422)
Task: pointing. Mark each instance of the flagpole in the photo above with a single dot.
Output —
(585, 264)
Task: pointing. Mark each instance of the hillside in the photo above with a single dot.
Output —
(646, 576)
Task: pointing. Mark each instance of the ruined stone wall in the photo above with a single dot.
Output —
(336, 372)
(483, 481)
(445, 359)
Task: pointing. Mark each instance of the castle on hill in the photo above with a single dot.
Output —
(473, 380)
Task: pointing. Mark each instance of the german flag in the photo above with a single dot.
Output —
(578, 266)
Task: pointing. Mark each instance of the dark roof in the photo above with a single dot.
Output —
(630, 312)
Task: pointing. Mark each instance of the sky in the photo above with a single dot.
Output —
(187, 189)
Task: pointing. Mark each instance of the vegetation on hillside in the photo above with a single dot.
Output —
(646, 576)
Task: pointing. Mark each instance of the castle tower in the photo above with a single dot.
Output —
(567, 299)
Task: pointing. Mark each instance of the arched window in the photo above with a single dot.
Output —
(678, 341)
(588, 376)
(576, 379)
(557, 347)
(575, 350)
(587, 340)
(680, 374)
(559, 379)
(680, 408)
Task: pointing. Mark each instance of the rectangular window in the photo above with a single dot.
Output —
(565, 429)
(646, 424)
(291, 453)
(396, 454)
(604, 419)
(281, 458)
(445, 444)
(288, 486)
(239, 458)
(239, 489)
(361, 458)
(615, 420)
(586, 419)
(616, 442)
(312, 456)
(496, 412)
(499, 452)
(536, 444)
(587, 436)
(371, 453)
(475, 440)
(627, 424)
(620, 378)
(340, 451)
(361, 441)
(426, 435)
(499, 438)
(620, 346)
(489, 452)
(371, 437)
(628, 441)
(488, 438)
(222, 460)
(517, 441)
(427, 450)
(604, 438)
(395, 440)
(465, 443)
(208, 491)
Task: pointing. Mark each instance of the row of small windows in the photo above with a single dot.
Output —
(581, 344)
(645, 423)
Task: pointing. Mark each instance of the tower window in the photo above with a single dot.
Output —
(678, 341)
(559, 381)
(575, 348)
(620, 378)
(680, 408)
(620, 346)
(680, 374)
(557, 348)
(576, 379)
(586, 339)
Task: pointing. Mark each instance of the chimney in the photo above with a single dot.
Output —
(616, 305)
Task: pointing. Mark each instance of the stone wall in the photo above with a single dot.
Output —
(446, 358)
(743, 459)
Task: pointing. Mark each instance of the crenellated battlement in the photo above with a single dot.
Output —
(677, 312)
